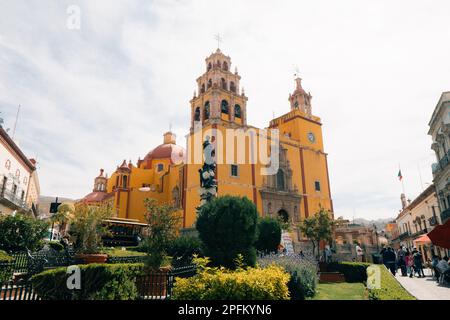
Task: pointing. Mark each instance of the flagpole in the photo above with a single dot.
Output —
(403, 183)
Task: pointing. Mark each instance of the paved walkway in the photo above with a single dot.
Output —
(425, 288)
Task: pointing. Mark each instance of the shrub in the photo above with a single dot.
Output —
(352, 271)
(242, 284)
(183, 249)
(56, 246)
(5, 267)
(227, 227)
(390, 289)
(269, 235)
(22, 232)
(303, 274)
(98, 282)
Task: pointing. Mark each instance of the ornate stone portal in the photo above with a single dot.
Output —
(279, 195)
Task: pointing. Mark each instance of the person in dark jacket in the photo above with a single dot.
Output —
(417, 257)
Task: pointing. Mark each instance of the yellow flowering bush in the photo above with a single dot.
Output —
(212, 283)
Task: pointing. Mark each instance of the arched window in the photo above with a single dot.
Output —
(225, 66)
(283, 215)
(280, 180)
(202, 90)
(237, 111)
(209, 66)
(206, 111)
(124, 181)
(8, 164)
(223, 84)
(197, 114)
(209, 83)
(224, 107)
(232, 87)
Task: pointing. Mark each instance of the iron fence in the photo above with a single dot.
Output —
(22, 291)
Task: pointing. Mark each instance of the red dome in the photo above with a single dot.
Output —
(96, 196)
(166, 151)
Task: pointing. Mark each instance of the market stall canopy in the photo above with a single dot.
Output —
(440, 235)
(422, 240)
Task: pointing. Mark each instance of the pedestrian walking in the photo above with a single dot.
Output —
(401, 261)
(409, 263)
(359, 253)
(418, 267)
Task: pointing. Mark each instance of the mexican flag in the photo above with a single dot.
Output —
(400, 177)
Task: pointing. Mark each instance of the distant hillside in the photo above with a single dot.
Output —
(380, 223)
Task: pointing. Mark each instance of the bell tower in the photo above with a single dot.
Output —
(299, 99)
(219, 99)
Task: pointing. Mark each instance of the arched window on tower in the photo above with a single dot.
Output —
(124, 181)
(197, 114)
(232, 87)
(209, 84)
(225, 66)
(209, 66)
(280, 180)
(237, 111)
(224, 107)
(206, 111)
(223, 84)
(202, 89)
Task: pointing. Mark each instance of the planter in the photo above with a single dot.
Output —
(91, 258)
(154, 284)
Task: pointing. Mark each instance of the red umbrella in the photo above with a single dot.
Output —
(440, 235)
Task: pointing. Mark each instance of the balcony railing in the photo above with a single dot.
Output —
(438, 166)
(403, 236)
(13, 200)
(445, 215)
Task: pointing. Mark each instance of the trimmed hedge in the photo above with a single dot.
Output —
(55, 245)
(6, 269)
(352, 271)
(390, 289)
(242, 284)
(98, 282)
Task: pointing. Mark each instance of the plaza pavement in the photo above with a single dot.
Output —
(425, 288)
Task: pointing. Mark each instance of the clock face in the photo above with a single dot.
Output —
(311, 137)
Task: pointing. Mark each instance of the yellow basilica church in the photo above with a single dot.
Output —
(293, 184)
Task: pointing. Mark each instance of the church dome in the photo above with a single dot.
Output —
(167, 150)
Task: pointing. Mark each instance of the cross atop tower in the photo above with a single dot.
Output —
(219, 39)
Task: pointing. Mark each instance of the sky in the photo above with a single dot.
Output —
(95, 95)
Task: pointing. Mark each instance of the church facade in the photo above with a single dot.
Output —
(282, 168)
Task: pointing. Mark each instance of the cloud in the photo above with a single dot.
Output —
(95, 96)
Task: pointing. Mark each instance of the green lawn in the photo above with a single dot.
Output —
(341, 291)
(118, 252)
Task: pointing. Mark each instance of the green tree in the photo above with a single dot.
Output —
(22, 232)
(317, 228)
(87, 228)
(227, 227)
(163, 223)
(62, 216)
(269, 235)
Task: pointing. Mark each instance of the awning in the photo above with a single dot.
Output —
(422, 240)
(440, 235)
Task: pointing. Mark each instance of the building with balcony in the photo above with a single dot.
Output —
(19, 186)
(440, 133)
(417, 218)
